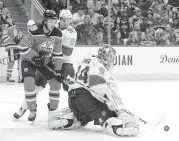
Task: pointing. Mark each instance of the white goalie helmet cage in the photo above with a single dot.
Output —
(107, 54)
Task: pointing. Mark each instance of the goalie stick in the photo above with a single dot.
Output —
(103, 99)
(150, 126)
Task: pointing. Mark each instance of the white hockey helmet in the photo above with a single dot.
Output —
(30, 23)
(65, 14)
(65, 19)
(107, 54)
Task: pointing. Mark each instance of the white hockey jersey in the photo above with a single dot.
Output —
(93, 75)
(69, 36)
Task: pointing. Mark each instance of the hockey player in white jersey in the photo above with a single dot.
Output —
(92, 84)
(69, 37)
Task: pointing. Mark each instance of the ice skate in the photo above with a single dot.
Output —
(20, 113)
(32, 116)
(10, 80)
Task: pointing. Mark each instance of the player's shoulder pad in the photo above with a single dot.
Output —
(96, 61)
(56, 32)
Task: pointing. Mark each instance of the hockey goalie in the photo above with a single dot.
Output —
(93, 96)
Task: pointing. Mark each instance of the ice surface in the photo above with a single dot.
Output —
(147, 99)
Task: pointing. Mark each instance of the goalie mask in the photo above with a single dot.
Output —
(107, 54)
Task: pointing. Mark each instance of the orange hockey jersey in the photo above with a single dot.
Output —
(38, 43)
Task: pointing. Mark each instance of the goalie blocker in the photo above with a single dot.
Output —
(85, 107)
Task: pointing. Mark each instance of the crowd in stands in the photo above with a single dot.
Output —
(133, 22)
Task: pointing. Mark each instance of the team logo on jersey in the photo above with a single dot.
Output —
(46, 48)
(26, 70)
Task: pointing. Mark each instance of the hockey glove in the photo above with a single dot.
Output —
(38, 60)
(65, 86)
(67, 69)
(58, 77)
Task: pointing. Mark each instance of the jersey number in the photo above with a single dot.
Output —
(83, 75)
(25, 40)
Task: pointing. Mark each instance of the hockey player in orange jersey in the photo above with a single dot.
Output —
(38, 49)
(69, 36)
(8, 36)
(93, 96)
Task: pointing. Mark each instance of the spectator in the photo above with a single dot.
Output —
(140, 34)
(124, 30)
(169, 31)
(117, 40)
(163, 40)
(124, 16)
(93, 16)
(176, 35)
(165, 20)
(150, 19)
(175, 24)
(100, 25)
(157, 7)
(137, 18)
(115, 9)
(170, 17)
(100, 38)
(178, 15)
(144, 24)
(75, 4)
(174, 2)
(133, 40)
(158, 20)
(78, 17)
(103, 11)
(86, 32)
(54, 5)
(148, 35)
(5, 11)
(94, 4)
(117, 24)
(145, 7)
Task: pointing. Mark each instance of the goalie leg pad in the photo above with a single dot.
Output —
(63, 119)
(120, 127)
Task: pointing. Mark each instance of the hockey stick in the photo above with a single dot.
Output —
(102, 99)
(149, 126)
(9, 56)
